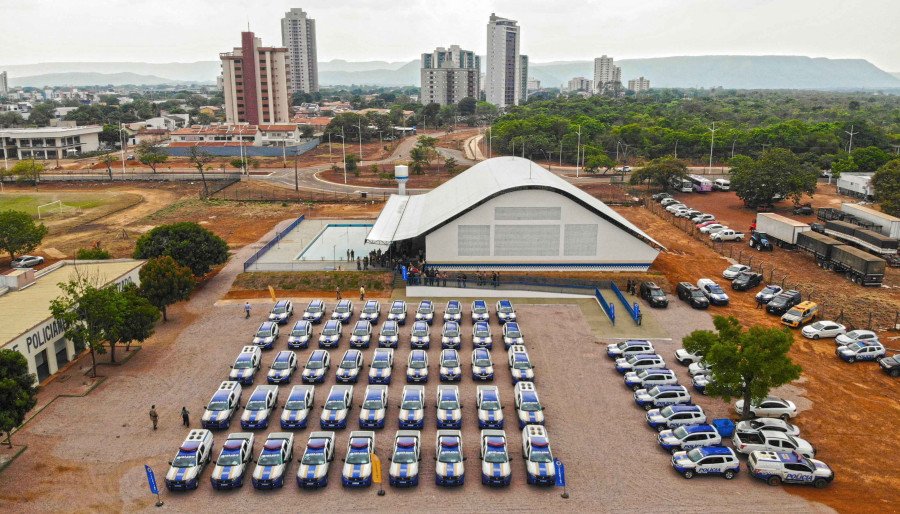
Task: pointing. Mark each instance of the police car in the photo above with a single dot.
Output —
(246, 365)
(495, 468)
(675, 416)
(389, 335)
(512, 334)
(662, 396)
(417, 366)
(316, 459)
(480, 311)
(861, 352)
(317, 366)
(539, 467)
(233, 461)
(528, 405)
(357, 470)
(699, 368)
(451, 370)
(450, 335)
(193, 455)
(789, 468)
(449, 469)
(482, 365)
(337, 406)
(701, 382)
(361, 335)
(505, 311)
(382, 366)
(687, 358)
(481, 335)
(448, 408)
(282, 312)
(404, 470)
(709, 460)
(639, 362)
(648, 378)
(713, 291)
(273, 461)
(300, 335)
(490, 410)
(770, 440)
(331, 334)
(315, 311)
(421, 335)
(348, 369)
(371, 311)
(425, 312)
(769, 407)
(266, 335)
(453, 312)
(768, 293)
(282, 368)
(374, 405)
(412, 407)
(689, 437)
(772, 424)
(260, 404)
(343, 311)
(296, 409)
(629, 348)
(222, 405)
(397, 312)
(520, 364)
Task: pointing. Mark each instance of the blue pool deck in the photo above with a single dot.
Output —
(315, 243)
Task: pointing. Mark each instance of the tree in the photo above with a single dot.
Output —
(19, 233)
(778, 172)
(86, 311)
(467, 106)
(661, 171)
(11, 119)
(28, 171)
(164, 282)
(430, 112)
(108, 159)
(17, 391)
(136, 323)
(869, 158)
(745, 364)
(111, 135)
(245, 163)
(352, 161)
(151, 153)
(199, 159)
(886, 182)
(595, 161)
(843, 164)
(418, 159)
(188, 243)
(451, 165)
(375, 169)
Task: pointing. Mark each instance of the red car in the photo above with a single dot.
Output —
(705, 223)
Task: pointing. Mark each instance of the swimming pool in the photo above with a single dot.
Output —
(335, 239)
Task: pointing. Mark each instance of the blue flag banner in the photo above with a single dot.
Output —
(151, 479)
(560, 473)
(404, 273)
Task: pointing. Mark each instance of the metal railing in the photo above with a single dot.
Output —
(278, 236)
(632, 309)
(607, 308)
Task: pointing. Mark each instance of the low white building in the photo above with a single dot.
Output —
(27, 325)
(856, 184)
(49, 142)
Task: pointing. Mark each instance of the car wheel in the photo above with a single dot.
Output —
(816, 336)
(648, 407)
(851, 360)
(739, 239)
(729, 474)
(660, 428)
(688, 474)
(785, 417)
(773, 480)
(819, 483)
(895, 373)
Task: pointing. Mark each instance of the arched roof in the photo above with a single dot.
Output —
(406, 217)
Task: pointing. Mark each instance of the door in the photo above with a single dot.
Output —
(62, 353)
(43, 367)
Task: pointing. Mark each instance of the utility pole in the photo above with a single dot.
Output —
(344, 152)
(617, 151)
(359, 128)
(732, 147)
(712, 141)
(560, 153)
(296, 174)
(852, 133)
(676, 148)
(578, 153)
(122, 144)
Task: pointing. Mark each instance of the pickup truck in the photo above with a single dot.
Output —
(727, 235)
(770, 440)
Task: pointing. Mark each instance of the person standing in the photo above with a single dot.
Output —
(464, 277)
(348, 255)
(246, 310)
(358, 264)
(185, 417)
(362, 293)
(337, 292)
(154, 417)
(352, 254)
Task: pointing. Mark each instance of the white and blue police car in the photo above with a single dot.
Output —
(495, 468)
(453, 312)
(259, 406)
(331, 334)
(266, 335)
(482, 365)
(450, 335)
(343, 311)
(404, 470)
(480, 311)
(421, 335)
(282, 312)
(193, 455)
(273, 461)
(282, 368)
(348, 369)
(295, 414)
(337, 407)
(629, 348)
(639, 362)
(790, 468)
(412, 407)
(662, 396)
(389, 336)
(315, 311)
(689, 437)
(448, 409)
(708, 460)
(701, 381)
(382, 366)
(481, 335)
(649, 378)
(222, 405)
(520, 364)
(539, 467)
(317, 366)
(417, 367)
(233, 461)
(361, 336)
(397, 312)
(450, 366)
(371, 311)
(316, 459)
(300, 335)
(374, 406)
(512, 334)
(528, 405)
(357, 470)
(425, 311)
(246, 365)
(868, 351)
(490, 410)
(505, 311)
(449, 469)
(675, 416)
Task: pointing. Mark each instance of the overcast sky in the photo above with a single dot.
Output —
(193, 30)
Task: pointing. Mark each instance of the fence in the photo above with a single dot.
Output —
(632, 310)
(829, 307)
(282, 195)
(607, 308)
(247, 150)
(278, 236)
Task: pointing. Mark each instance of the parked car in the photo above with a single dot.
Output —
(803, 210)
(193, 456)
(675, 416)
(331, 334)
(891, 365)
(639, 362)
(357, 469)
(746, 280)
(661, 196)
(450, 366)
(371, 311)
(451, 335)
(801, 313)
(653, 294)
(861, 352)
(282, 368)
(520, 364)
(667, 201)
(783, 302)
(770, 291)
(246, 365)
(417, 366)
(449, 469)
(686, 358)
(721, 184)
(295, 414)
(425, 311)
(389, 335)
(856, 336)
(282, 312)
(481, 335)
(731, 272)
(420, 335)
(727, 235)
(316, 459)
(771, 424)
(701, 218)
(776, 468)
(259, 406)
(662, 396)
(397, 312)
(505, 311)
(373, 410)
(349, 367)
(692, 295)
(412, 407)
(628, 348)
(480, 311)
(233, 461)
(712, 228)
(453, 312)
(26, 261)
(300, 335)
(361, 335)
(512, 334)
(448, 408)
(495, 468)
(490, 410)
(649, 378)
(382, 366)
(315, 311)
(273, 461)
(404, 469)
(528, 405)
(337, 407)
(539, 468)
(482, 365)
(266, 335)
(708, 460)
(317, 365)
(343, 311)
(688, 437)
(713, 291)
(770, 440)
(769, 407)
(222, 406)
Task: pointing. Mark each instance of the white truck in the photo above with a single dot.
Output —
(539, 466)
(233, 461)
(193, 455)
(781, 229)
(273, 461)
(886, 224)
(727, 235)
(495, 468)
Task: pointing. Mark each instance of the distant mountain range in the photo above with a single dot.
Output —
(729, 71)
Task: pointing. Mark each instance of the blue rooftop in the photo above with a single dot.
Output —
(715, 450)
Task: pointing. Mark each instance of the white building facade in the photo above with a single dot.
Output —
(298, 35)
(49, 142)
(607, 76)
(4, 84)
(256, 83)
(449, 75)
(506, 72)
(639, 85)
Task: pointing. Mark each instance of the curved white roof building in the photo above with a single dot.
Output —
(510, 213)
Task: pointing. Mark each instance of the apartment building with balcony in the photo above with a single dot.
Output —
(256, 82)
(449, 75)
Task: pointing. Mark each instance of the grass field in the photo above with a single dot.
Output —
(80, 201)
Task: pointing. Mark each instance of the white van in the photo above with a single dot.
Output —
(721, 184)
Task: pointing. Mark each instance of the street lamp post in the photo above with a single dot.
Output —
(343, 151)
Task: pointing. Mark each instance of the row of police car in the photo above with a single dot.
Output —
(775, 451)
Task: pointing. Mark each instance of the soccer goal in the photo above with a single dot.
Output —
(48, 207)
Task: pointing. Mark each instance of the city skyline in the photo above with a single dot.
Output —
(365, 30)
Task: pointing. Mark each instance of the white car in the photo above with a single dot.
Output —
(425, 312)
(343, 311)
(193, 455)
(713, 292)
(232, 464)
(712, 228)
(685, 357)
(297, 407)
(727, 235)
(639, 362)
(703, 218)
(412, 407)
(417, 366)
(266, 335)
(316, 459)
(282, 311)
(824, 328)
(520, 364)
(448, 408)
(421, 335)
(273, 461)
(629, 348)
(450, 335)
(769, 407)
(495, 468)
(539, 468)
(775, 424)
(699, 368)
(260, 404)
(771, 440)
(222, 405)
(453, 312)
(687, 437)
(708, 460)
(856, 336)
(675, 416)
(528, 405)
(731, 272)
(676, 207)
(404, 470)
(790, 468)
(318, 363)
(26, 261)
(490, 409)
(450, 366)
(449, 469)
(374, 407)
(382, 366)
(481, 335)
(667, 201)
(282, 368)
(315, 311)
(337, 406)
(349, 367)
(482, 364)
(300, 335)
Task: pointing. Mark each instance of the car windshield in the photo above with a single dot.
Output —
(513, 332)
(314, 309)
(299, 332)
(313, 458)
(658, 293)
(541, 455)
(184, 461)
(482, 362)
(280, 309)
(450, 363)
(335, 405)
(714, 289)
(380, 363)
(451, 332)
(243, 364)
(263, 332)
(342, 309)
(349, 363)
(373, 404)
(643, 374)
(530, 406)
(270, 458)
(495, 456)
(331, 331)
(521, 364)
(417, 364)
(256, 405)
(817, 325)
(795, 312)
(735, 268)
(404, 456)
(769, 291)
(696, 293)
(230, 459)
(448, 405)
(397, 309)
(217, 406)
(490, 405)
(680, 432)
(315, 364)
(453, 309)
(361, 331)
(482, 332)
(389, 330)
(668, 411)
(857, 346)
(695, 455)
(506, 309)
(284, 364)
(634, 359)
(426, 309)
(479, 309)
(413, 404)
(450, 456)
(420, 332)
(370, 309)
(295, 405)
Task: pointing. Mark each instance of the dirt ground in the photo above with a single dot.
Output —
(855, 410)
(431, 177)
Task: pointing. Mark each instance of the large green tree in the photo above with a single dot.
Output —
(88, 311)
(164, 282)
(19, 233)
(136, 323)
(28, 171)
(18, 393)
(777, 173)
(660, 171)
(745, 364)
(886, 182)
(188, 243)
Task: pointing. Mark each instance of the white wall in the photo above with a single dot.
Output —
(613, 245)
